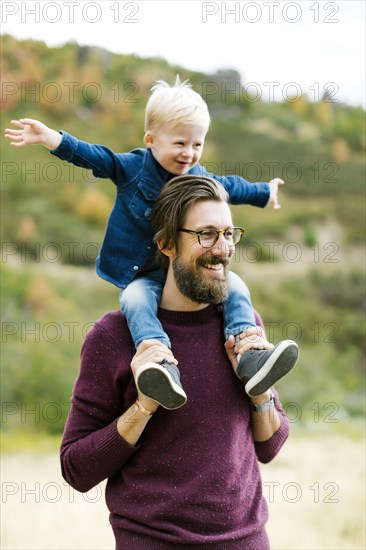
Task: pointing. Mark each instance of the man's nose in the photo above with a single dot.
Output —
(222, 248)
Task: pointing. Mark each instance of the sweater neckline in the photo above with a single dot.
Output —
(190, 317)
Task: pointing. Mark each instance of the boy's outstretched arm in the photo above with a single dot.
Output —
(32, 132)
(273, 197)
(242, 191)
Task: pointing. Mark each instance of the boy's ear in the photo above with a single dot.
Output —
(148, 139)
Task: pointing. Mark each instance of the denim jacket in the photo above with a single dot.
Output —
(128, 241)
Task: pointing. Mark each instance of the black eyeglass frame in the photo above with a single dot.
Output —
(218, 233)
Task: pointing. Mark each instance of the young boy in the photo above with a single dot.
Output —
(176, 124)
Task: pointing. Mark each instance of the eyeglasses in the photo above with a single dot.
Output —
(209, 237)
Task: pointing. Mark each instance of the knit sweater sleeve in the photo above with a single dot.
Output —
(92, 449)
(267, 450)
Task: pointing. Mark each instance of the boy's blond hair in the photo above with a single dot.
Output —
(176, 105)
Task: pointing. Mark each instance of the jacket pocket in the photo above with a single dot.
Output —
(143, 200)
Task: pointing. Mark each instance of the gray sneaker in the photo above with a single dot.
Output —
(161, 382)
(260, 369)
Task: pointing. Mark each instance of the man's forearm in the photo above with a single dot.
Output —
(265, 423)
(133, 422)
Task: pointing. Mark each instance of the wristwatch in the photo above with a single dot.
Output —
(264, 406)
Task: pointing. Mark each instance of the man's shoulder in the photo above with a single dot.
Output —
(111, 327)
(110, 318)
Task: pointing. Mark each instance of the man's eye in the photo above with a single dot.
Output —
(208, 234)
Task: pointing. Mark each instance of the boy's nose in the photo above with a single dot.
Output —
(188, 152)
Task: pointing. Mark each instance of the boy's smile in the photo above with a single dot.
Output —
(177, 148)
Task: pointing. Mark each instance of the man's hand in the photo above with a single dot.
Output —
(253, 337)
(273, 197)
(150, 351)
(32, 132)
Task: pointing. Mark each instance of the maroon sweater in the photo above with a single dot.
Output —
(193, 478)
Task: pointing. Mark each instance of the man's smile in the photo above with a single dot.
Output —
(214, 267)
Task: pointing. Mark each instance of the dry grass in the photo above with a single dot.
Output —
(315, 490)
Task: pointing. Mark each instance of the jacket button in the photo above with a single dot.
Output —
(135, 267)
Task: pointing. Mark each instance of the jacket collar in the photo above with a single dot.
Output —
(152, 171)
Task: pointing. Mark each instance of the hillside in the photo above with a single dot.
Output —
(304, 263)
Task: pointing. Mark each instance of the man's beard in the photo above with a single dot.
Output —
(198, 288)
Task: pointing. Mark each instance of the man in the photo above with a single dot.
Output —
(188, 477)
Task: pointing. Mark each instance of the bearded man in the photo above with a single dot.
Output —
(189, 477)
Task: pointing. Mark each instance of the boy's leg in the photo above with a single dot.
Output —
(238, 309)
(139, 304)
(258, 369)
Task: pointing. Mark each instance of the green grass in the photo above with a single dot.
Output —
(22, 440)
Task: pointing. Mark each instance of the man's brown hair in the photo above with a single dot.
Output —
(171, 207)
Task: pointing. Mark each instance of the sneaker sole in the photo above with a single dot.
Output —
(282, 360)
(154, 382)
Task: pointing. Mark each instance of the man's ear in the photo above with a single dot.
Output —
(167, 251)
(148, 139)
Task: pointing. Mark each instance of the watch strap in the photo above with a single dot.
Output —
(264, 406)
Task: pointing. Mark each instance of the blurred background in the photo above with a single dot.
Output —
(287, 100)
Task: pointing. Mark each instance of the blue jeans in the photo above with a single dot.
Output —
(140, 300)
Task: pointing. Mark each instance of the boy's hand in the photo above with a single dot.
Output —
(273, 197)
(32, 132)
